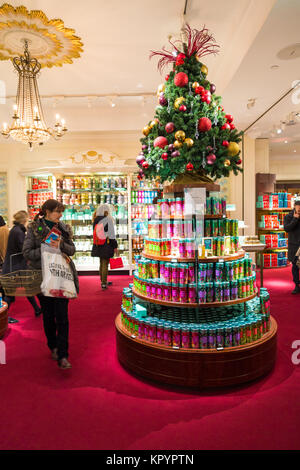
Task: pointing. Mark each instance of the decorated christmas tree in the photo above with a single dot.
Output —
(190, 135)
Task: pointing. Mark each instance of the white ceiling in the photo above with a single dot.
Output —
(118, 36)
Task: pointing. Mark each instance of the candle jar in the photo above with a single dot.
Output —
(165, 209)
(175, 274)
(179, 207)
(175, 293)
(182, 248)
(190, 248)
(167, 292)
(183, 293)
(192, 293)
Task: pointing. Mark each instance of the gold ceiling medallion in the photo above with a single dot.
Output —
(51, 43)
(93, 158)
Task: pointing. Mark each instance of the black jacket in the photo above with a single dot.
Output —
(107, 249)
(292, 227)
(15, 245)
(36, 233)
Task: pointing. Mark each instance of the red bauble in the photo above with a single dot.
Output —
(164, 156)
(208, 99)
(167, 77)
(181, 79)
(225, 126)
(190, 167)
(199, 90)
(204, 124)
(160, 142)
(228, 117)
(179, 62)
(140, 159)
(225, 143)
(211, 158)
(170, 127)
(182, 107)
(232, 126)
(239, 162)
(145, 165)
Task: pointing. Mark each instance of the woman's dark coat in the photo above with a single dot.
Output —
(36, 233)
(107, 249)
(292, 227)
(15, 242)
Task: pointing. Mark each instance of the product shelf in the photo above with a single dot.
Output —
(193, 305)
(212, 259)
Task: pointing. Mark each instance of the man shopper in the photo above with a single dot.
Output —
(292, 227)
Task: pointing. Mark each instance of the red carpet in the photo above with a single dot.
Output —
(98, 405)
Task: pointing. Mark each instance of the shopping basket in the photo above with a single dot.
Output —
(23, 282)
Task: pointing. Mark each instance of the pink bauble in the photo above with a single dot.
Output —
(211, 158)
(204, 124)
(170, 127)
(160, 142)
(181, 79)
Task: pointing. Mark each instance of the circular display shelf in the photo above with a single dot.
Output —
(198, 368)
(214, 216)
(3, 319)
(275, 210)
(211, 259)
(271, 229)
(193, 305)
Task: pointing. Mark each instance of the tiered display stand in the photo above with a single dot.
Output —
(200, 368)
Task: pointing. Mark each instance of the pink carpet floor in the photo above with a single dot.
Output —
(99, 405)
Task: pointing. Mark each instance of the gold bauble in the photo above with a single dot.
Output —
(180, 135)
(153, 123)
(146, 130)
(204, 69)
(195, 85)
(233, 149)
(178, 102)
(177, 144)
(161, 88)
(189, 142)
(227, 162)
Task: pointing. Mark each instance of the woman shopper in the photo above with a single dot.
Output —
(55, 309)
(105, 244)
(14, 260)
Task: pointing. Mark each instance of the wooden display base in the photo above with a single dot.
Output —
(3, 320)
(178, 187)
(198, 368)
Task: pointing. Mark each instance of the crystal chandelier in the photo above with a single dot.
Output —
(28, 124)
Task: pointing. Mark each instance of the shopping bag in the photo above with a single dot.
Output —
(58, 278)
(115, 263)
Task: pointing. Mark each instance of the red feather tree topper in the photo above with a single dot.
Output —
(199, 43)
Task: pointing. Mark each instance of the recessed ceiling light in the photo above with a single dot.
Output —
(279, 131)
(290, 52)
(285, 141)
(295, 150)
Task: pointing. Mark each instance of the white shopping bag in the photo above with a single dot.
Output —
(58, 278)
